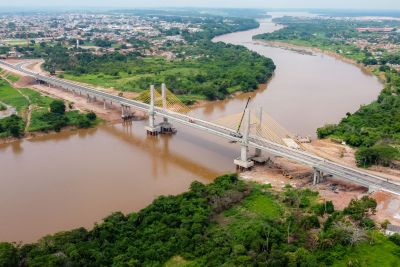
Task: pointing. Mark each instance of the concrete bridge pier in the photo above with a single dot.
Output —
(244, 163)
(88, 99)
(104, 103)
(125, 112)
(165, 126)
(152, 129)
(318, 176)
(258, 157)
(372, 189)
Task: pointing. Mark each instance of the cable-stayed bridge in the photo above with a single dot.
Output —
(253, 133)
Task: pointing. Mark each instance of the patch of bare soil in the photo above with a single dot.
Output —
(388, 207)
(280, 172)
(332, 151)
(14, 61)
(345, 155)
(36, 66)
(112, 112)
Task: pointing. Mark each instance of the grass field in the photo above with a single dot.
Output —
(12, 97)
(14, 42)
(381, 253)
(40, 105)
(134, 81)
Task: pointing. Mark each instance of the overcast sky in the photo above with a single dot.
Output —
(342, 4)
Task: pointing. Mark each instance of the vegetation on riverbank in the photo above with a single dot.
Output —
(36, 109)
(333, 35)
(228, 222)
(374, 128)
(201, 69)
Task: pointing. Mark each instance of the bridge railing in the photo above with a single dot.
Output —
(327, 166)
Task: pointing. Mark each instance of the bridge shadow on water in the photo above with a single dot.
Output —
(160, 151)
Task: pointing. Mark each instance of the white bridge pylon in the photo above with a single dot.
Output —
(261, 125)
(372, 181)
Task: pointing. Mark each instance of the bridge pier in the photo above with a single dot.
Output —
(151, 128)
(244, 163)
(104, 103)
(126, 113)
(165, 126)
(258, 158)
(372, 189)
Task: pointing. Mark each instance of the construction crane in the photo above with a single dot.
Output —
(241, 119)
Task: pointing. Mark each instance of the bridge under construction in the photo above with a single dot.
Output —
(256, 130)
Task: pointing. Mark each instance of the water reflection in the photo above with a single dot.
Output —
(75, 178)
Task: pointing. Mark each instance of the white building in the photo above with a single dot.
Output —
(392, 229)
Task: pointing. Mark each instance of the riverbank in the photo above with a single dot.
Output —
(280, 172)
(111, 114)
(34, 135)
(258, 226)
(130, 169)
(312, 50)
(37, 114)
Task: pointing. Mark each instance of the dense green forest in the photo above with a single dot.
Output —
(226, 223)
(201, 69)
(374, 128)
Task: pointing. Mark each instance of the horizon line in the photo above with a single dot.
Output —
(196, 7)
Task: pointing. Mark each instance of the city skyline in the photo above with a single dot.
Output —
(307, 4)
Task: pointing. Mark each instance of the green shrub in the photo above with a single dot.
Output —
(367, 223)
(310, 221)
(395, 239)
(8, 255)
(84, 122)
(376, 155)
(359, 209)
(326, 131)
(57, 106)
(91, 116)
(330, 208)
(12, 126)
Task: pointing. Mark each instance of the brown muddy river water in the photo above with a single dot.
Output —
(76, 178)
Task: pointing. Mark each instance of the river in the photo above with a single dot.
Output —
(76, 178)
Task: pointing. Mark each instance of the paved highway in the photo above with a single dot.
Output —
(371, 181)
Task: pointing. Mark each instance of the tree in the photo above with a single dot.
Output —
(329, 207)
(57, 106)
(8, 255)
(91, 116)
(83, 122)
(359, 209)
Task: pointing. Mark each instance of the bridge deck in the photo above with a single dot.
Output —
(326, 166)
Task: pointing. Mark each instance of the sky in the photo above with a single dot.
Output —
(337, 4)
